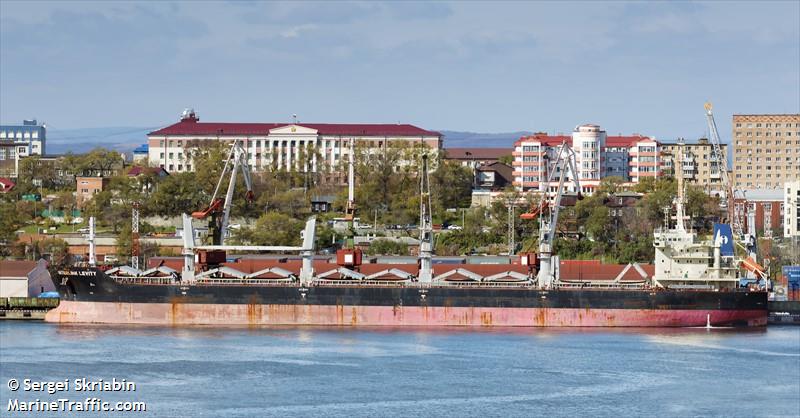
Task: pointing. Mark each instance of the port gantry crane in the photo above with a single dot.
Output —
(236, 161)
(563, 165)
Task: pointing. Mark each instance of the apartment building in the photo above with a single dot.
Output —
(698, 164)
(766, 150)
(598, 155)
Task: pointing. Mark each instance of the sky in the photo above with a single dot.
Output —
(631, 67)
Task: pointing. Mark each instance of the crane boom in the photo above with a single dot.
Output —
(565, 162)
(235, 162)
(734, 217)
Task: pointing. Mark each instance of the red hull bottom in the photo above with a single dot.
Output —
(337, 315)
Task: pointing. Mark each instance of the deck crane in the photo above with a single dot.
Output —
(425, 225)
(236, 161)
(745, 240)
(734, 217)
(350, 210)
(563, 164)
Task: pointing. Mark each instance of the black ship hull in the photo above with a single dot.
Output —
(89, 295)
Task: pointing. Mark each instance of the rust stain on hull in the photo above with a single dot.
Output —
(176, 313)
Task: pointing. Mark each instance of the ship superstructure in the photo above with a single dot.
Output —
(685, 261)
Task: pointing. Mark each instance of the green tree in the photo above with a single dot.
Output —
(451, 185)
(11, 219)
(384, 246)
(506, 159)
(176, 194)
(271, 228)
(611, 185)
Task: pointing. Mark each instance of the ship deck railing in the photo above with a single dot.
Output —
(602, 286)
(222, 281)
(145, 280)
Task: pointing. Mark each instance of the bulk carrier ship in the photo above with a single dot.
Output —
(692, 284)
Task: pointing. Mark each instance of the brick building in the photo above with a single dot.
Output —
(88, 187)
(766, 150)
(765, 207)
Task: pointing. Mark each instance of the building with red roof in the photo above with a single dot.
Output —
(598, 155)
(6, 185)
(279, 145)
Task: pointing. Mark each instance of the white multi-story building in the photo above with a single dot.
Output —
(598, 155)
(312, 147)
(791, 209)
(20, 141)
(29, 138)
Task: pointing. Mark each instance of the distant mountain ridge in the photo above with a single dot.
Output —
(126, 138)
(462, 139)
(81, 140)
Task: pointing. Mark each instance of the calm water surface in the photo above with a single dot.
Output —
(241, 372)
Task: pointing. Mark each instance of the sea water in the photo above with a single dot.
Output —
(254, 372)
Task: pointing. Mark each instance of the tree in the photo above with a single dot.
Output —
(271, 228)
(387, 247)
(97, 205)
(506, 159)
(176, 194)
(293, 202)
(611, 185)
(451, 185)
(54, 249)
(11, 219)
